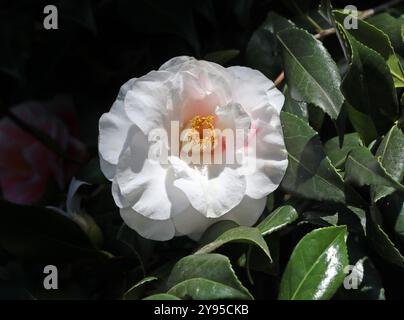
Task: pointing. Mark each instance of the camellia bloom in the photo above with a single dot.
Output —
(163, 199)
(26, 165)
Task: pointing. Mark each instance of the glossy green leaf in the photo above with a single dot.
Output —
(216, 230)
(363, 281)
(162, 296)
(391, 156)
(362, 168)
(298, 108)
(392, 207)
(316, 267)
(369, 90)
(326, 10)
(310, 173)
(42, 234)
(133, 292)
(240, 234)
(392, 27)
(312, 76)
(263, 50)
(205, 276)
(381, 241)
(279, 218)
(338, 155)
(377, 40)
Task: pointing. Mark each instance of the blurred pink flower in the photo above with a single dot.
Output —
(26, 165)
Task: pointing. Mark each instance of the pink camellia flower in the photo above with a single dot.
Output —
(161, 189)
(26, 165)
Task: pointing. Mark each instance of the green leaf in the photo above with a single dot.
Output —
(206, 276)
(390, 154)
(316, 267)
(312, 76)
(279, 218)
(298, 108)
(392, 27)
(377, 40)
(366, 283)
(392, 207)
(326, 10)
(363, 281)
(162, 296)
(263, 51)
(310, 173)
(222, 57)
(41, 234)
(362, 168)
(216, 230)
(381, 241)
(133, 292)
(369, 90)
(338, 155)
(239, 234)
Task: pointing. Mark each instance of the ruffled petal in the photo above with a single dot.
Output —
(192, 223)
(269, 160)
(113, 127)
(159, 230)
(177, 63)
(247, 212)
(119, 199)
(148, 102)
(213, 190)
(141, 180)
(255, 92)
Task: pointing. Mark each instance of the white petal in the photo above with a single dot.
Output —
(247, 212)
(233, 116)
(146, 184)
(107, 168)
(160, 230)
(255, 92)
(113, 128)
(192, 223)
(213, 190)
(175, 64)
(270, 160)
(148, 101)
(119, 199)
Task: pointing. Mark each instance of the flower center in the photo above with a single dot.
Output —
(200, 134)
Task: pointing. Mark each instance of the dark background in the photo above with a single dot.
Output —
(99, 46)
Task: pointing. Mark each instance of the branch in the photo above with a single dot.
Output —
(326, 32)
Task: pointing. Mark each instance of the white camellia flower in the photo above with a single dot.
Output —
(163, 199)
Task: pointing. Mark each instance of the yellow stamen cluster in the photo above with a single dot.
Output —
(202, 132)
